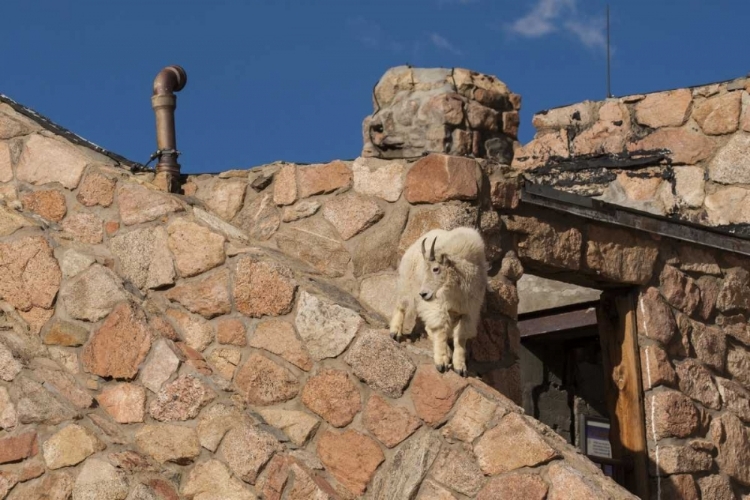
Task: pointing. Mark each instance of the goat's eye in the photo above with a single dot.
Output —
(435, 270)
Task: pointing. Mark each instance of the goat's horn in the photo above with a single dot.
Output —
(424, 252)
(432, 249)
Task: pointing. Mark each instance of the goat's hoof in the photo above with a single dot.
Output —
(395, 336)
(441, 368)
(463, 372)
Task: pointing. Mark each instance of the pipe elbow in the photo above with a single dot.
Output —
(170, 79)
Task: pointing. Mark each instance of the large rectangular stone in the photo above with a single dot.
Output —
(46, 160)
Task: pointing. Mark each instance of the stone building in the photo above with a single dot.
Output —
(229, 341)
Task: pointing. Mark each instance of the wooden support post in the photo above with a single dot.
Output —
(619, 339)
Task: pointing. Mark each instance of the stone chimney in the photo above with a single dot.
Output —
(438, 110)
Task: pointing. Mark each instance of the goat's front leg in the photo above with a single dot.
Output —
(397, 321)
(440, 350)
(461, 334)
(466, 328)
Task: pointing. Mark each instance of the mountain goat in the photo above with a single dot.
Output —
(446, 287)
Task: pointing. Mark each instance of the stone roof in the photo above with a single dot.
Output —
(635, 96)
(680, 154)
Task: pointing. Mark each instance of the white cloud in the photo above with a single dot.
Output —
(372, 35)
(553, 16)
(590, 32)
(442, 43)
(541, 20)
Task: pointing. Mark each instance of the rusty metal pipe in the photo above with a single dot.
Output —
(163, 101)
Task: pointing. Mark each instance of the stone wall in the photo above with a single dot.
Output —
(703, 133)
(157, 346)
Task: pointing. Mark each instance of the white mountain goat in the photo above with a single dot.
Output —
(446, 287)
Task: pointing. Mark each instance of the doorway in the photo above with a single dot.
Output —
(580, 373)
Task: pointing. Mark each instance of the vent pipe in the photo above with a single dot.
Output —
(169, 80)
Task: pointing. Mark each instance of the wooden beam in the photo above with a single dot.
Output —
(624, 391)
(556, 322)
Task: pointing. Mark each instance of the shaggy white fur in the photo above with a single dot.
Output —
(443, 276)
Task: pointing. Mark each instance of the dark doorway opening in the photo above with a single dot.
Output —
(562, 372)
(580, 373)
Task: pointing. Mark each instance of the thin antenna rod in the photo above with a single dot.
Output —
(609, 88)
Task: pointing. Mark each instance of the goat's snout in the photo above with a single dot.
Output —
(426, 295)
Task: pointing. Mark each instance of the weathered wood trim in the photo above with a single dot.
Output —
(623, 387)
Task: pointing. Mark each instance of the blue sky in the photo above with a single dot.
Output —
(291, 80)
